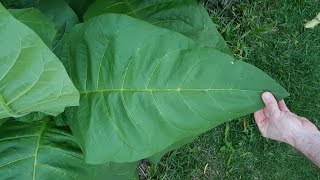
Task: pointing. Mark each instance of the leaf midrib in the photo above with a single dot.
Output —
(165, 90)
(39, 135)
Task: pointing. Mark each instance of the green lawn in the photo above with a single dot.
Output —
(269, 34)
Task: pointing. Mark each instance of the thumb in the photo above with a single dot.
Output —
(271, 103)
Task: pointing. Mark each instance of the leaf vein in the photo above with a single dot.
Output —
(185, 101)
(59, 169)
(115, 126)
(45, 122)
(16, 58)
(35, 82)
(162, 114)
(17, 137)
(11, 162)
(159, 62)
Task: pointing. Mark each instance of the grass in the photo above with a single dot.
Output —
(270, 35)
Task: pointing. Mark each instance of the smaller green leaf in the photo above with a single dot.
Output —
(187, 17)
(39, 23)
(32, 78)
(40, 150)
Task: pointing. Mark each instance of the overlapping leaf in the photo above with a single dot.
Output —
(80, 6)
(40, 24)
(31, 77)
(60, 13)
(144, 88)
(39, 150)
(188, 17)
(19, 3)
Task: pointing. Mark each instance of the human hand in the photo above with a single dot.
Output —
(276, 121)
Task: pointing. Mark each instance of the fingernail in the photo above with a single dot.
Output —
(266, 96)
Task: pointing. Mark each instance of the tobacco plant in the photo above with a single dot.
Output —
(90, 88)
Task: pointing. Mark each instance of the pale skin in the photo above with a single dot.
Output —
(276, 122)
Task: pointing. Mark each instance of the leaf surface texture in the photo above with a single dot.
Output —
(39, 23)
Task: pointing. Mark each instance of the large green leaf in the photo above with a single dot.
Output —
(59, 12)
(188, 17)
(143, 88)
(40, 150)
(39, 23)
(31, 77)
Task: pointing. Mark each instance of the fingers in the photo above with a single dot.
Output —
(282, 106)
(259, 117)
(260, 120)
(272, 108)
